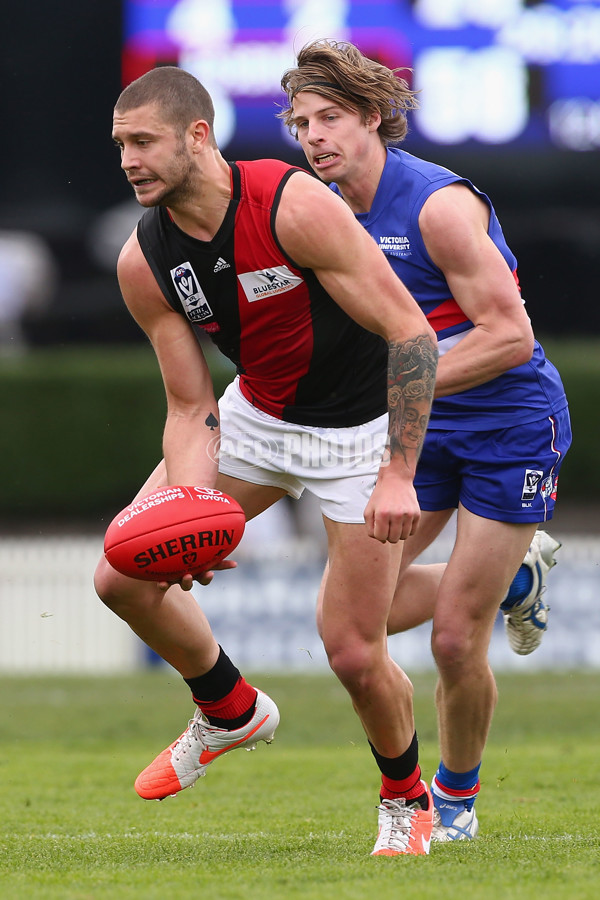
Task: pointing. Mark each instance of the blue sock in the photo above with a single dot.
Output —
(451, 785)
(520, 587)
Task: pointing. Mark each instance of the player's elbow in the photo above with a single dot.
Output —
(411, 327)
(520, 348)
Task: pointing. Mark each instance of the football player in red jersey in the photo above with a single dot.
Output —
(275, 268)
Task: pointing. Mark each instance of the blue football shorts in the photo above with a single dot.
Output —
(510, 474)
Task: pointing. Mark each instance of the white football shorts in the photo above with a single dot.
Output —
(337, 465)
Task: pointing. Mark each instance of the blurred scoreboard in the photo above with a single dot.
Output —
(505, 74)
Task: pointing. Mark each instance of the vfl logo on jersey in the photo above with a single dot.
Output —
(395, 245)
(190, 293)
(268, 282)
(530, 483)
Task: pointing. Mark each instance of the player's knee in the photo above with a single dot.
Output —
(352, 662)
(110, 586)
(452, 648)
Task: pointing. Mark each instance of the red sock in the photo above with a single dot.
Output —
(232, 711)
(410, 788)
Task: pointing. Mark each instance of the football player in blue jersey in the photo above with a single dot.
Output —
(499, 426)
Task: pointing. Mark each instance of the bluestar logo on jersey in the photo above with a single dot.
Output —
(395, 245)
(268, 282)
(195, 304)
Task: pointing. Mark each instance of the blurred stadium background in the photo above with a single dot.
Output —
(511, 98)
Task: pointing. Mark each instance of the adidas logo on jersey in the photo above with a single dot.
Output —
(221, 264)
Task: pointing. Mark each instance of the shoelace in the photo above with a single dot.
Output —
(437, 822)
(530, 613)
(195, 731)
(395, 829)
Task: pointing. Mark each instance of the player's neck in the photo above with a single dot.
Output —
(359, 189)
(201, 214)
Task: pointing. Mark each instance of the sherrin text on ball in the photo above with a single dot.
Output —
(174, 531)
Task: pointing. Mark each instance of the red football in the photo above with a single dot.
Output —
(174, 531)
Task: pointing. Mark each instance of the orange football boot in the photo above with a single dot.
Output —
(404, 828)
(187, 759)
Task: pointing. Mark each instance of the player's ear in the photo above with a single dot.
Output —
(373, 120)
(200, 133)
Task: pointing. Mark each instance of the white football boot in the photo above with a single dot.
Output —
(404, 828)
(187, 758)
(527, 620)
(452, 821)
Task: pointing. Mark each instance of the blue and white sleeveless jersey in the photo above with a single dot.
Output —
(523, 394)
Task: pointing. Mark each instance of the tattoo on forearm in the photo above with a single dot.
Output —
(411, 380)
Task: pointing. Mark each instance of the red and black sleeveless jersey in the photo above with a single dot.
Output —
(299, 356)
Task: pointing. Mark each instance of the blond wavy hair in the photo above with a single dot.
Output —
(340, 72)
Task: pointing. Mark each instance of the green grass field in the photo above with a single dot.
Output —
(293, 820)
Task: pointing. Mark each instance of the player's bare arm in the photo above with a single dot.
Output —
(319, 231)
(356, 274)
(454, 225)
(411, 379)
(191, 427)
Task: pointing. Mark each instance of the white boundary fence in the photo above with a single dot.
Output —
(50, 617)
(262, 613)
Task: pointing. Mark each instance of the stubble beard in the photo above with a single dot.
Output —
(179, 183)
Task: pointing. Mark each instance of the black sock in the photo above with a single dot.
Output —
(216, 684)
(405, 771)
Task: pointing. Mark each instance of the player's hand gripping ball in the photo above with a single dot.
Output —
(175, 531)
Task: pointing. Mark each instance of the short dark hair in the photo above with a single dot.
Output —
(340, 72)
(181, 98)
